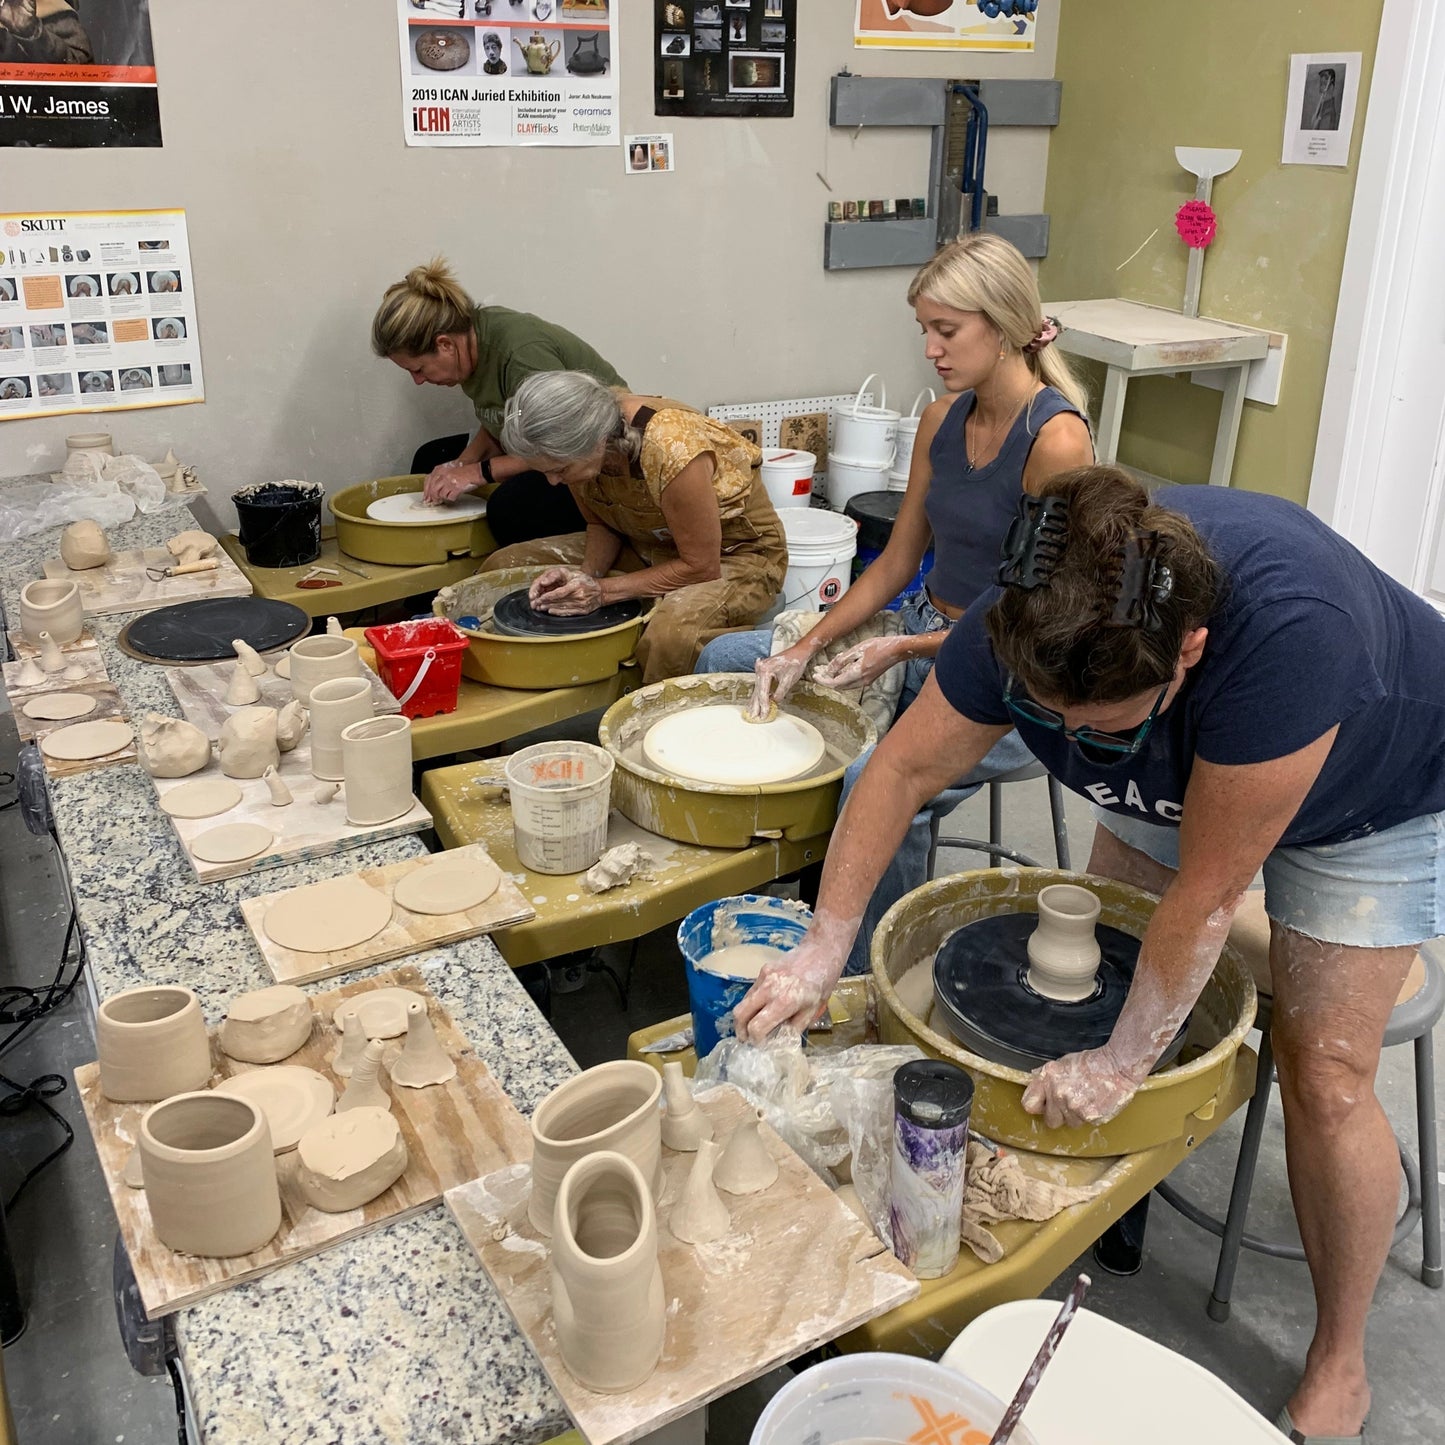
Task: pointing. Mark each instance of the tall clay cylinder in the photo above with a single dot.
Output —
(52, 607)
(152, 1044)
(210, 1175)
(376, 760)
(314, 659)
(335, 704)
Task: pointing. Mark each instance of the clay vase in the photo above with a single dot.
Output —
(700, 1216)
(335, 704)
(607, 1299)
(152, 1044)
(610, 1108)
(52, 607)
(376, 761)
(684, 1126)
(746, 1167)
(1063, 950)
(210, 1176)
(314, 659)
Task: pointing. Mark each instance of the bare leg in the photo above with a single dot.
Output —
(1114, 859)
(1331, 1004)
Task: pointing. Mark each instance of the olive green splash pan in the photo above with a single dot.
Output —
(410, 544)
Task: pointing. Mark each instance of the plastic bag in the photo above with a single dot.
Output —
(138, 480)
(30, 507)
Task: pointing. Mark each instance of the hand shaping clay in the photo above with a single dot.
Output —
(170, 747)
(204, 798)
(365, 1090)
(192, 546)
(448, 886)
(248, 742)
(83, 545)
(684, 1125)
(59, 706)
(248, 658)
(280, 793)
(699, 1216)
(353, 1044)
(267, 1024)
(242, 691)
(347, 1160)
(291, 724)
(232, 843)
(746, 1167)
(81, 741)
(328, 917)
(291, 1097)
(423, 1061)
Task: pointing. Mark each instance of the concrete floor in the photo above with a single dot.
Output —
(71, 1384)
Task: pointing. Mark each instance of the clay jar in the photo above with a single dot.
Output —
(152, 1044)
(210, 1176)
(314, 659)
(612, 1107)
(1063, 951)
(52, 607)
(335, 704)
(607, 1297)
(376, 761)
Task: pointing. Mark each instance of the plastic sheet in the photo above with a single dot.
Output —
(31, 507)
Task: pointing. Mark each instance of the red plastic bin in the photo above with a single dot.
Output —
(404, 648)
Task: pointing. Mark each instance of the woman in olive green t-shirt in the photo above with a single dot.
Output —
(431, 328)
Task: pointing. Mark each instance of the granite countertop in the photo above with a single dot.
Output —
(396, 1336)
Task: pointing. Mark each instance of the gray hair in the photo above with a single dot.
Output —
(565, 416)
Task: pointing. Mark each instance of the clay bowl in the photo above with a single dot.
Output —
(152, 1044)
(612, 1107)
(52, 607)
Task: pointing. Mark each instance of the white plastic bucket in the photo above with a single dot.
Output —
(788, 476)
(864, 433)
(880, 1397)
(820, 558)
(560, 793)
(847, 479)
(907, 435)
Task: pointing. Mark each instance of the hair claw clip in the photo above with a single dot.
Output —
(1144, 584)
(1035, 542)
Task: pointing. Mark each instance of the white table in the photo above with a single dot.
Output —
(1133, 339)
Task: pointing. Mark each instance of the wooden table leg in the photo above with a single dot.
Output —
(1230, 411)
(1111, 416)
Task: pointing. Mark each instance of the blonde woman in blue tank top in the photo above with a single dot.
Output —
(1013, 417)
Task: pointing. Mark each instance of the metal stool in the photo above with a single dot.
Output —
(1421, 1003)
(995, 847)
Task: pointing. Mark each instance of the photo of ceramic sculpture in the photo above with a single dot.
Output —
(610, 1107)
(347, 1160)
(52, 607)
(335, 703)
(1063, 949)
(684, 1125)
(209, 1175)
(746, 1167)
(267, 1024)
(422, 1061)
(314, 659)
(608, 1305)
(152, 1043)
(83, 545)
(700, 1216)
(376, 761)
(247, 744)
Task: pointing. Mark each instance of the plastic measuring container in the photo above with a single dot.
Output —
(560, 793)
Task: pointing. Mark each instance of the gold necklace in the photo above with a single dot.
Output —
(992, 436)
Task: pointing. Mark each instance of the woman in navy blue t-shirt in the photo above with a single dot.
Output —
(1237, 689)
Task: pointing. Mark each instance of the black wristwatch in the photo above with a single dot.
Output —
(486, 466)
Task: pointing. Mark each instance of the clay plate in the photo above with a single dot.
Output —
(382, 1012)
(292, 1099)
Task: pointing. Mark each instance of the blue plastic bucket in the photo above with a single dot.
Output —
(748, 918)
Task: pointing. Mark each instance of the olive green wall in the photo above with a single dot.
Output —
(1139, 80)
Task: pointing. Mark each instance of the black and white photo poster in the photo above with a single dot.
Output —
(725, 57)
(1319, 111)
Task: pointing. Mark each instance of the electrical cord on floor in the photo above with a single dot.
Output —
(173, 1369)
(38, 1092)
(6, 778)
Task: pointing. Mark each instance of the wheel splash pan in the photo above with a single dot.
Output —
(719, 816)
(407, 545)
(911, 933)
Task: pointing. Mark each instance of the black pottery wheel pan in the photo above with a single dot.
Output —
(514, 616)
(983, 998)
(202, 631)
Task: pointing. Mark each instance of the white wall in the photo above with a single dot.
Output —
(283, 141)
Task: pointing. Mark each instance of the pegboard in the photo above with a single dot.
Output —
(773, 413)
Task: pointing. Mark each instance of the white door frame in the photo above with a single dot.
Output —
(1380, 422)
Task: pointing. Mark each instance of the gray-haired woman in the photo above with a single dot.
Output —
(670, 498)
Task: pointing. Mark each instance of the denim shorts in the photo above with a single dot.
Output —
(1386, 890)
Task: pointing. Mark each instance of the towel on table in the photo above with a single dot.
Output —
(998, 1189)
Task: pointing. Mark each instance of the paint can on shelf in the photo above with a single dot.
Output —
(821, 546)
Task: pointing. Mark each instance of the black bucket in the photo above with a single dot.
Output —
(280, 522)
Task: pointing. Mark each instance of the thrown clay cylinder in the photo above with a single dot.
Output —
(700, 1216)
(314, 659)
(248, 744)
(267, 1024)
(365, 1091)
(335, 704)
(53, 607)
(346, 1160)
(607, 1298)
(209, 1174)
(1064, 949)
(152, 1043)
(684, 1125)
(422, 1061)
(170, 747)
(746, 1167)
(376, 761)
(611, 1107)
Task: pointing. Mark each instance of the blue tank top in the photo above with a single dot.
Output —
(970, 509)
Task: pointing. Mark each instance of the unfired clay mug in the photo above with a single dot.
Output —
(52, 607)
(335, 704)
(314, 659)
(152, 1044)
(1064, 950)
(376, 760)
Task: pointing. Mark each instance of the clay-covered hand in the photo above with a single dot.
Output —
(776, 677)
(792, 990)
(863, 662)
(1079, 1089)
(449, 481)
(565, 592)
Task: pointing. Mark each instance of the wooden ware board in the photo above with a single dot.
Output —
(407, 933)
(22, 647)
(108, 704)
(200, 689)
(89, 659)
(121, 585)
(797, 1270)
(453, 1131)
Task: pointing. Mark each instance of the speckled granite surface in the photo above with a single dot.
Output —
(397, 1336)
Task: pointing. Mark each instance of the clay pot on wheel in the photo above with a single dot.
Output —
(52, 607)
(376, 761)
(607, 1299)
(210, 1175)
(610, 1108)
(1063, 949)
(314, 659)
(335, 704)
(152, 1044)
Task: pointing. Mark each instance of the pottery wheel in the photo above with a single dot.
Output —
(202, 631)
(327, 917)
(514, 616)
(717, 744)
(443, 49)
(292, 1099)
(983, 997)
(382, 1011)
(58, 706)
(202, 799)
(408, 509)
(82, 741)
(232, 843)
(448, 887)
